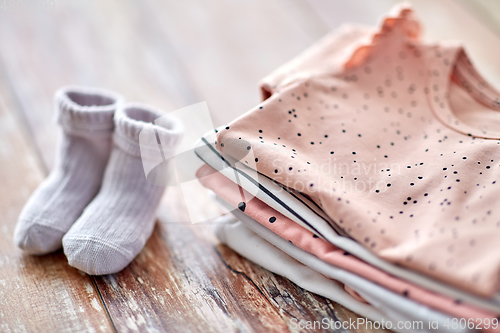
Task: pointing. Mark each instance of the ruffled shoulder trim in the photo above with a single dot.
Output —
(327, 55)
(399, 24)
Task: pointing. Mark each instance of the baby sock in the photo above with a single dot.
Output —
(117, 223)
(86, 118)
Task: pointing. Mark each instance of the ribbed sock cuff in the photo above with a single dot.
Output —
(86, 111)
(143, 131)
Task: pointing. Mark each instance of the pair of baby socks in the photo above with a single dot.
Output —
(96, 202)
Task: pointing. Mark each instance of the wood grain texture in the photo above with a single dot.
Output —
(107, 44)
(169, 54)
(37, 294)
(183, 280)
(225, 48)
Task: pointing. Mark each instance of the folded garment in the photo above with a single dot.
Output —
(250, 245)
(399, 146)
(311, 243)
(294, 206)
(393, 306)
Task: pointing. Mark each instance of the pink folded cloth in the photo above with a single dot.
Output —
(304, 239)
(397, 140)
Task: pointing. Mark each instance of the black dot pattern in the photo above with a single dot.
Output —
(387, 153)
(311, 242)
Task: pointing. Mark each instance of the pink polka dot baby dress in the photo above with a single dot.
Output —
(399, 146)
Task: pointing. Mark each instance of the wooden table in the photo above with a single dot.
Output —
(170, 54)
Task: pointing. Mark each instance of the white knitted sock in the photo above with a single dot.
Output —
(86, 118)
(117, 223)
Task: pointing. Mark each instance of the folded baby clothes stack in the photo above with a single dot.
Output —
(371, 167)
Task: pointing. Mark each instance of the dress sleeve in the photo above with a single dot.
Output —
(345, 47)
(327, 55)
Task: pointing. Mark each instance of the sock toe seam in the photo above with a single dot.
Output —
(32, 221)
(99, 241)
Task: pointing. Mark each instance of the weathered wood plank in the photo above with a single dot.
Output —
(107, 44)
(226, 47)
(171, 55)
(188, 284)
(37, 294)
